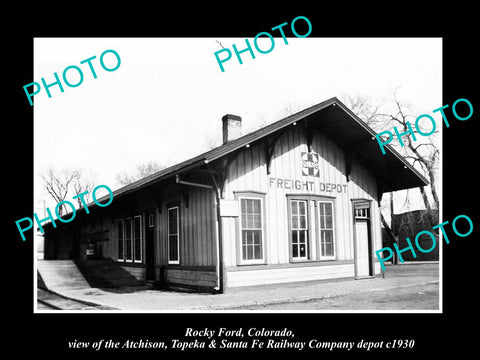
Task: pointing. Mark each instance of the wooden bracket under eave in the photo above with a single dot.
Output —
(308, 132)
(348, 164)
(270, 148)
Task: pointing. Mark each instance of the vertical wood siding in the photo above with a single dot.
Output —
(247, 172)
(197, 228)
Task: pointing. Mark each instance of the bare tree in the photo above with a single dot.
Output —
(426, 154)
(58, 183)
(81, 184)
(143, 170)
(365, 109)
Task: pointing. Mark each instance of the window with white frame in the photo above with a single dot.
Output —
(311, 227)
(130, 239)
(362, 212)
(326, 230)
(120, 240)
(137, 239)
(173, 236)
(251, 230)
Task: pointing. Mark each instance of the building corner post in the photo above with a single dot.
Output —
(219, 266)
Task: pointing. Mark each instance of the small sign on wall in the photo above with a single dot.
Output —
(228, 208)
(310, 164)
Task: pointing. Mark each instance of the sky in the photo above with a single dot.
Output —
(167, 97)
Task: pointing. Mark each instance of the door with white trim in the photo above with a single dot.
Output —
(363, 257)
(299, 229)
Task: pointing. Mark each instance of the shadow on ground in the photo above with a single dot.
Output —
(40, 282)
(107, 275)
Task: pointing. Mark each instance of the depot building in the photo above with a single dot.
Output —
(297, 200)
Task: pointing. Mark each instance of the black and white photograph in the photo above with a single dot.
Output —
(277, 188)
(251, 188)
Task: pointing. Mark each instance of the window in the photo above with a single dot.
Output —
(326, 234)
(120, 240)
(173, 236)
(362, 213)
(311, 227)
(137, 239)
(129, 239)
(251, 229)
(299, 229)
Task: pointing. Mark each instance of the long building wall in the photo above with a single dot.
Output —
(247, 174)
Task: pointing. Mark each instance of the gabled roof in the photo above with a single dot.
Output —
(337, 122)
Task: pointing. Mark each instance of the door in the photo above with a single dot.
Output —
(299, 229)
(363, 256)
(149, 247)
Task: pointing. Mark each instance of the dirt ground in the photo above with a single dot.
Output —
(424, 297)
(411, 269)
(417, 289)
(407, 298)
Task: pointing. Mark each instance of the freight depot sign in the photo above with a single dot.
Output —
(309, 167)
